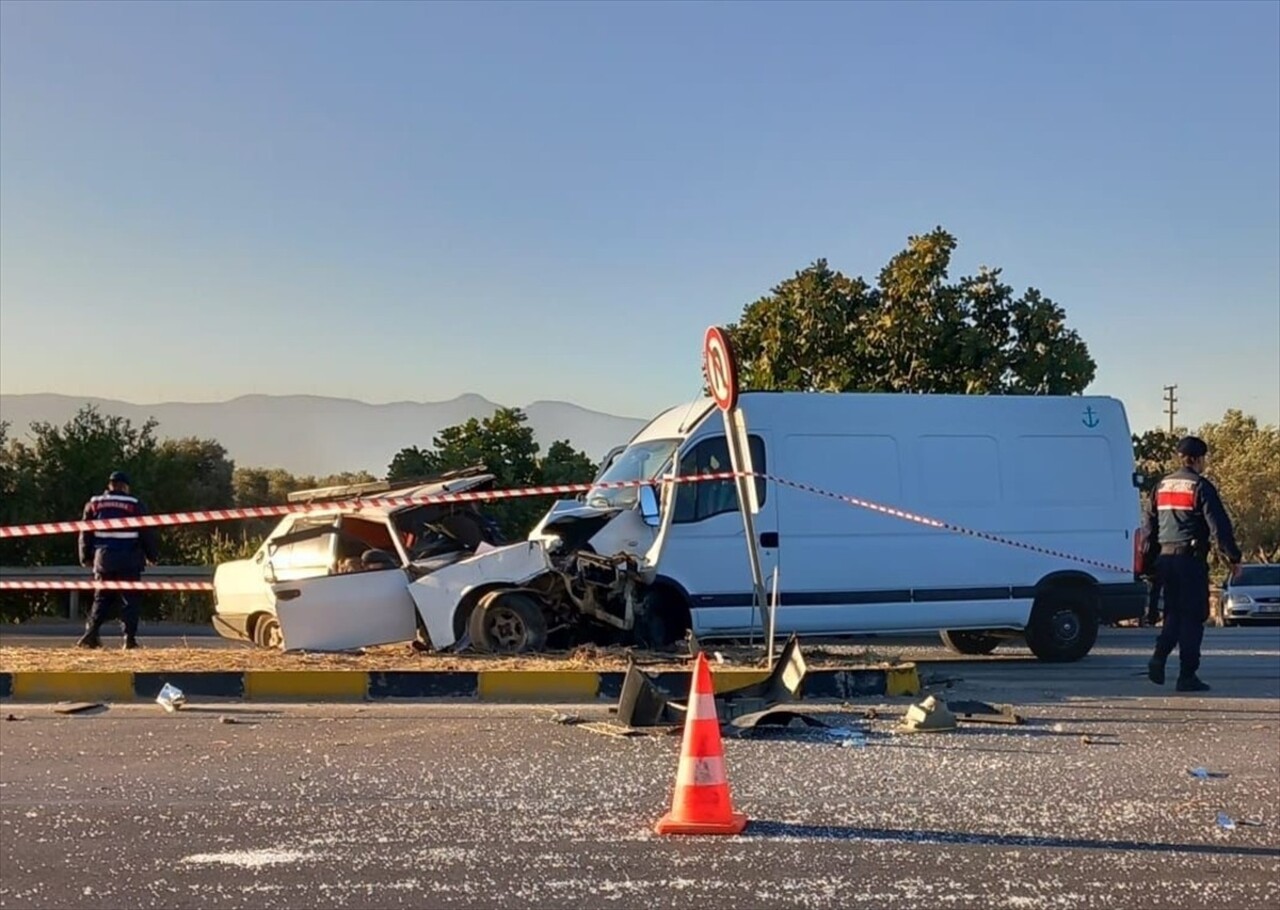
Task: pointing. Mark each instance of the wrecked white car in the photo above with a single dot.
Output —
(585, 573)
(342, 577)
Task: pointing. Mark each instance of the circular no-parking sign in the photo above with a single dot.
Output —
(721, 368)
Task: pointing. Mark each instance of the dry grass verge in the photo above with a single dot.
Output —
(389, 657)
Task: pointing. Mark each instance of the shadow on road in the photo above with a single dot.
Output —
(852, 833)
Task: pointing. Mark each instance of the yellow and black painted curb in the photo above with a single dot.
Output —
(562, 686)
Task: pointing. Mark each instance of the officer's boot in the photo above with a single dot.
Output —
(1192, 683)
(1155, 669)
(90, 637)
(130, 642)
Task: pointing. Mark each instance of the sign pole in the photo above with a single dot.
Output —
(722, 377)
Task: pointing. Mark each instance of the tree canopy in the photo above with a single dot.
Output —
(915, 330)
(505, 444)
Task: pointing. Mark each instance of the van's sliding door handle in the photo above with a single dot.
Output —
(769, 539)
(288, 594)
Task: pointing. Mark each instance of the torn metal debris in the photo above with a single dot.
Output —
(77, 707)
(643, 704)
(979, 712)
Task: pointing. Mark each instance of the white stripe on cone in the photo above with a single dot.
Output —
(701, 772)
(703, 707)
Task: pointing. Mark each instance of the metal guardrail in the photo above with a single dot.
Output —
(80, 573)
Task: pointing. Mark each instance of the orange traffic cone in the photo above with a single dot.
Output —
(701, 804)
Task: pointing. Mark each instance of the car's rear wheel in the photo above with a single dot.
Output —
(507, 622)
(966, 641)
(267, 633)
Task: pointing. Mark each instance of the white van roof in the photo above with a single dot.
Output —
(942, 413)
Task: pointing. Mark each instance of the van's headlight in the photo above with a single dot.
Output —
(1239, 600)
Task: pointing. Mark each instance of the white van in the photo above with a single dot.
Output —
(1056, 473)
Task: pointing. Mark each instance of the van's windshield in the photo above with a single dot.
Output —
(639, 461)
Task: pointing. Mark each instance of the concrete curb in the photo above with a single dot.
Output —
(499, 686)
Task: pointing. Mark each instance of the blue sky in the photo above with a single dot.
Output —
(535, 200)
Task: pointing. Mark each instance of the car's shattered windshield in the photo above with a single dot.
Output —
(639, 461)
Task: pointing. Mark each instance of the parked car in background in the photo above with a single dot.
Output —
(1255, 595)
(339, 577)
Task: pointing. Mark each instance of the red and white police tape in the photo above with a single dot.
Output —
(12, 585)
(948, 526)
(180, 518)
(164, 519)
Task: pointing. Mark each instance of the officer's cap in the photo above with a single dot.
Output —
(1192, 447)
(119, 477)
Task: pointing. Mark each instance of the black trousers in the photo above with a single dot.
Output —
(1153, 599)
(108, 604)
(1185, 579)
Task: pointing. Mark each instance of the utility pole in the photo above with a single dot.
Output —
(1172, 401)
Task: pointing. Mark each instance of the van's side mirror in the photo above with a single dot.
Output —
(649, 506)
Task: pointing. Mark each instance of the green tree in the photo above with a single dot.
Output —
(1153, 456)
(505, 445)
(1244, 463)
(915, 331)
(50, 474)
(411, 463)
(564, 464)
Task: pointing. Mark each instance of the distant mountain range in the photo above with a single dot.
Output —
(308, 434)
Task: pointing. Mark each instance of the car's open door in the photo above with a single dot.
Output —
(337, 612)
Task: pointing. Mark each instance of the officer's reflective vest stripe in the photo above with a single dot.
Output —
(116, 501)
(117, 535)
(1176, 494)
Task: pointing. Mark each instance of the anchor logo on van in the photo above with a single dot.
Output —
(1090, 418)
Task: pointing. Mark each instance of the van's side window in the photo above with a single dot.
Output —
(698, 501)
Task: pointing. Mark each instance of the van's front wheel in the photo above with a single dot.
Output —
(1063, 626)
(966, 641)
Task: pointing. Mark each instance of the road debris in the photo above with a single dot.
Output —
(171, 698)
(930, 716)
(776, 720)
(1205, 774)
(643, 704)
(76, 707)
(12, 717)
(226, 719)
(1225, 822)
(566, 719)
(979, 712)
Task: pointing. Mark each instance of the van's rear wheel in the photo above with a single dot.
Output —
(507, 622)
(965, 641)
(1063, 626)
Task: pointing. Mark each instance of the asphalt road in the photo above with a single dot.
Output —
(418, 805)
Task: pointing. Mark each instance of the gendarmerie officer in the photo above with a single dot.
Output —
(115, 556)
(1184, 513)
